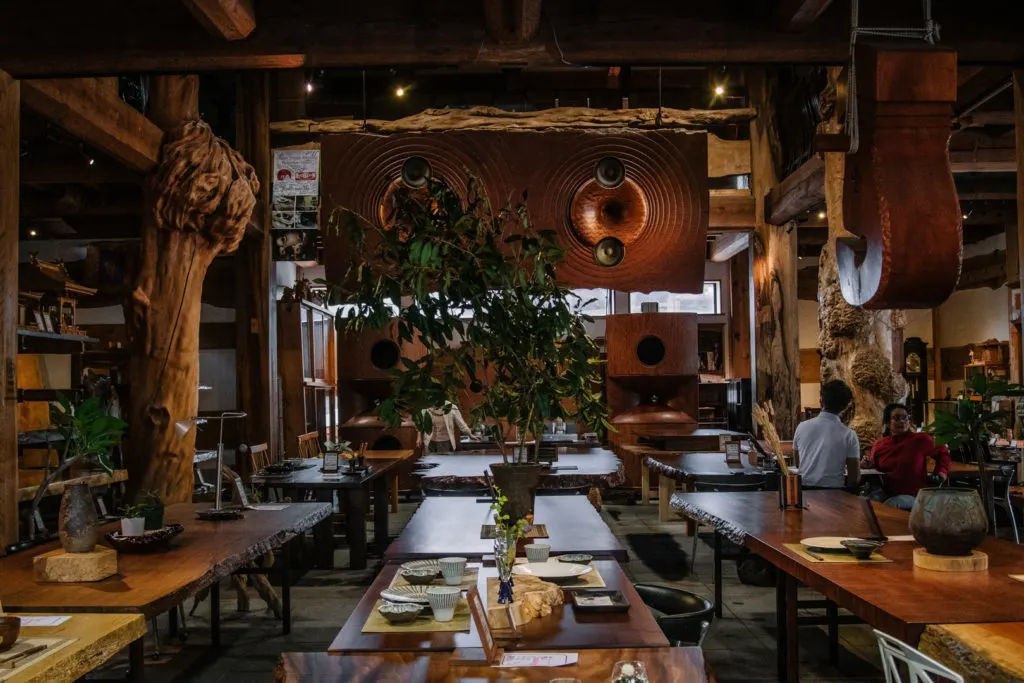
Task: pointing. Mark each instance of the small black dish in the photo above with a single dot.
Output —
(598, 600)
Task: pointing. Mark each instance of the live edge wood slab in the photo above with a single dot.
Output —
(153, 583)
(664, 665)
(982, 653)
(98, 637)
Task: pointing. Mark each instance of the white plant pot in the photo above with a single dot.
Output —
(133, 526)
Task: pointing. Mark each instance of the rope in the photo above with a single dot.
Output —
(929, 32)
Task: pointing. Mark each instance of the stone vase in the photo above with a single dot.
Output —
(948, 520)
(77, 520)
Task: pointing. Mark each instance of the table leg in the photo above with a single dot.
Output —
(645, 482)
(787, 646)
(832, 612)
(215, 614)
(394, 494)
(323, 544)
(718, 575)
(286, 588)
(172, 622)
(136, 660)
(380, 514)
(666, 487)
(354, 502)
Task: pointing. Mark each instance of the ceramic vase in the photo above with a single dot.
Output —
(77, 520)
(948, 520)
(518, 483)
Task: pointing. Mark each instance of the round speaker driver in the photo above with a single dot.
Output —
(415, 172)
(610, 172)
(609, 251)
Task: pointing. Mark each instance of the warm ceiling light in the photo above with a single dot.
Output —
(32, 233)
(399, 91)
(309, 86)
(91, 161)
(719, 90)
(821, 215)
(964, 216)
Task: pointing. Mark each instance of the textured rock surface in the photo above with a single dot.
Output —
(61, 567)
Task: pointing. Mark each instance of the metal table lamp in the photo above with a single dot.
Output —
(218, 511)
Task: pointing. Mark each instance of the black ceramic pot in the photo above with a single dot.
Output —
(948, 520)
(518, 483)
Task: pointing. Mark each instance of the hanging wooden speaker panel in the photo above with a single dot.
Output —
(632, 206)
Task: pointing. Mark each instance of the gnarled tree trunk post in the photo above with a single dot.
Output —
(198, 202)
(856, 345)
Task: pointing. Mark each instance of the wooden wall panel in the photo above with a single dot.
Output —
(739, 315)
(10, 138)
(810, 366)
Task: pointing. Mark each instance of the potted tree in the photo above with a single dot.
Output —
(486, 305)
(88, 434)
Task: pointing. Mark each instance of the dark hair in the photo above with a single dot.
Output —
(835, 396)
(887, 416)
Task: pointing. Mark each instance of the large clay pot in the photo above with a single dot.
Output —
(518, 483)
(77, 521)
(948, 520)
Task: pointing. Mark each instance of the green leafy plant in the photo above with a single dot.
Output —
(151, 498)
(974, 420)
(337, 446)
(132, 511)
(486, 305)
(519, 529)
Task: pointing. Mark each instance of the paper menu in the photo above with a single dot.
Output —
(538, 659)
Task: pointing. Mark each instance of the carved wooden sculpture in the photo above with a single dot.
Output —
(198, 203)
(899, 193)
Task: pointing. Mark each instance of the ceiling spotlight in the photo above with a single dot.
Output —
(32, 233)
(821, 215)
(399, 91)
(964, 216)
(309, 86)
(92, 161)
(719, 90)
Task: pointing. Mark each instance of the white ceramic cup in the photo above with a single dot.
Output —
(538, 552)
(452, 568)
(443, 600)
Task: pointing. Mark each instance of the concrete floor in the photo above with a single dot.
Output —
(739, 647)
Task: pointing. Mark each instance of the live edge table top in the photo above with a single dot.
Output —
(312, 478)
(894, 596)
(153, 583)
(450, 526)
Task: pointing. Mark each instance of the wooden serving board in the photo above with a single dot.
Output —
(977, 561)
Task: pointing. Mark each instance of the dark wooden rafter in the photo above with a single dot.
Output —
(799, 192)
(90, 109)
(797, 15)
(728, 245)
(10, 115)
(511, 22)
(227, 19)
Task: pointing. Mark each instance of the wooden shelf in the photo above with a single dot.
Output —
(57, 487)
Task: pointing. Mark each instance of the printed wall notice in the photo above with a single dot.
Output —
(296, 173)
(295, 212)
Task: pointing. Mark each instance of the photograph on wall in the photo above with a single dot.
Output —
(294, 245)
(296, 200)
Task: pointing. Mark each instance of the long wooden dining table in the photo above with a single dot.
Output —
(894, 597)
(451, 525)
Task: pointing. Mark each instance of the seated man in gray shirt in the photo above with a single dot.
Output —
(828, 451)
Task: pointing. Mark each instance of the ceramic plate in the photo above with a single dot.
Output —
(552, 571)
(417, 594)
(423, 564)
(826, 544)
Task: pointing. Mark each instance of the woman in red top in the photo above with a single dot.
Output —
(902, 456)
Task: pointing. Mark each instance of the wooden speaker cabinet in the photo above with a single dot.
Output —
(652, 375)
(630, 205)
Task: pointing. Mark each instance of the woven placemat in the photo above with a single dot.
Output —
(375, 623)
(537, 531)
(834, 558)
(53, 646)
(468, 579)
(591, 579)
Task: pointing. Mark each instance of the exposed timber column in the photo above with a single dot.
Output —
(856, 345)
(198, 202)
(10, 121)
(1018, 120)
(777, 356)
(255, 311)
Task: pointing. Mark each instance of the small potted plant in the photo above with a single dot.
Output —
(153, 510)
(133, 520)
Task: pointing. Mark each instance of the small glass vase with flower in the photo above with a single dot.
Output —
(506, 543)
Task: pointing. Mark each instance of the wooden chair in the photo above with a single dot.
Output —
(259, 457)
(309, 445)
(920, 667)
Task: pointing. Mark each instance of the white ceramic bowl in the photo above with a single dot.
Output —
(552, 571)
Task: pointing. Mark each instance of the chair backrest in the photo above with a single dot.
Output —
(920, 667)
(259, 457)
(309, 445)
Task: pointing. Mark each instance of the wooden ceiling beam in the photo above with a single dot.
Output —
(726, 246)
(87, 109)
(799, 192)
(512, 22)
(227, 19)
(797, 15)
(984, 160)
(730, 210)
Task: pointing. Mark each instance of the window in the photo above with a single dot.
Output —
(708, 302)
(347, 310)
(598, 308)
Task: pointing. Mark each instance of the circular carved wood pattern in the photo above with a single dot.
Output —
(597, 212)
